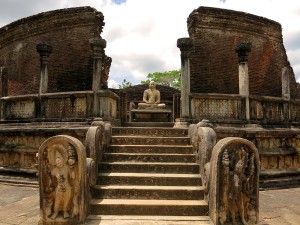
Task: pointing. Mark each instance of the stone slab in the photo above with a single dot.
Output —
(144, 115)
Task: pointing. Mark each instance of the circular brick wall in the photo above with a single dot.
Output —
(214, 62)
(70, 63)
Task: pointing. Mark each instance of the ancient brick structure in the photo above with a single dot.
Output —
(70, 63)
(214, 62)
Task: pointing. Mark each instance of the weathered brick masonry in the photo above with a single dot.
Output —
(70, 64)
(214, 63)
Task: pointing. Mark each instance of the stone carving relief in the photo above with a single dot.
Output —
(62, 178)
(17, 159)
(234, 184)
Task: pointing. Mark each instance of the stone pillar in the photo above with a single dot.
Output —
(185, 45)
(97, 44)
(243, 50)
(285, 79)
(45, 51)
(286, 92)
(3, 81)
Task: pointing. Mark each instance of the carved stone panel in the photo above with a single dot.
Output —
(62, 180)
(234, 182)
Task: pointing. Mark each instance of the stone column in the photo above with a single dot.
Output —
(185, 45)
(3, 81)
(286, 92)
(97, 44)
(45, 51)
(243, 50)
(285, 79)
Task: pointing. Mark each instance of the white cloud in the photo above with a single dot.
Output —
(141, 35)
(112, 84)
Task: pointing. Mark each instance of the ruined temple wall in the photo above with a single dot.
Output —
(214, 62)
(70, 63)
(135, 93)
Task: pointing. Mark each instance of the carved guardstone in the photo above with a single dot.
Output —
(62, 170)
(234, 183)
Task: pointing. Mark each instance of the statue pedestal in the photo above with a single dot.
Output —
(151, 115)
(181, 123)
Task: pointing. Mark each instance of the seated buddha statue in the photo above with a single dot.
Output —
(151, 98)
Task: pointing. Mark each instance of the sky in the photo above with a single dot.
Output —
(141, 35)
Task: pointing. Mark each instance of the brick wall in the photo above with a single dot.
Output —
(135, 93)
(214, 62)
(70, 63)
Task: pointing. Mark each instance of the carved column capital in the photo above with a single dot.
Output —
(45, 50)
(185, 45)
(98, 45)
(243, 50)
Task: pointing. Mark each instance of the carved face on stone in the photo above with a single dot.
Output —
(59, 161)
(152, 85)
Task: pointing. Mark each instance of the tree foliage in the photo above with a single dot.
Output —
(125, 84)
(167, 78)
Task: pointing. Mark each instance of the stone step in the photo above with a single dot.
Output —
(149, 207)
(149, 167)
(149, 179)
(148, 124)
(149, 131)
(177, 149)
(279, 182)
(148, 157)
(149, 220)
(140, 140)
(148, 192)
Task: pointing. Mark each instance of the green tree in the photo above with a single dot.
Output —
(167, 78)
(125, 84)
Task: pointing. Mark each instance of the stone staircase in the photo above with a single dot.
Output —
(149, 176)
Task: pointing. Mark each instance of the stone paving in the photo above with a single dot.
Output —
(20, 205)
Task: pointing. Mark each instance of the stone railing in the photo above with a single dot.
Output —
(269, 109)
(59, 106)
(294, 110)
(217, 107)
(232, 108)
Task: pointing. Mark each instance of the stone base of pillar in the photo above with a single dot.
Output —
(181, 123)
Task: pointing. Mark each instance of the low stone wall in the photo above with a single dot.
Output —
(225, 108)
(279, 148)
(279, 152)
(19, 143)
(59, 106)
(217, 107)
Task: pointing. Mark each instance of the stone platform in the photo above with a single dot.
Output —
(151, 115)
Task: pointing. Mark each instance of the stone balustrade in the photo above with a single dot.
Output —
(230, 108)
(217, 107)
(58, 106)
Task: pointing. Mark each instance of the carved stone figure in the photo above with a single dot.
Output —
(234, 195)
(62, 172)
(62, 168)
(151, 98)
(239, 180)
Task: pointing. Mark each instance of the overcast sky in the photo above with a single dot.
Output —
(141, 35)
